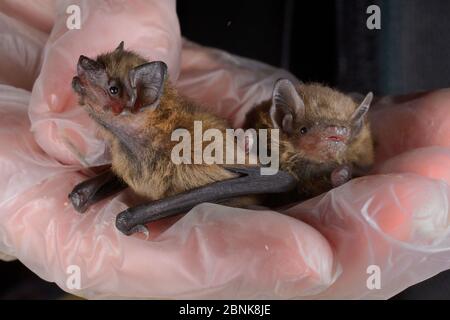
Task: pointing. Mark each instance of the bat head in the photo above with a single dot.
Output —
(119, 82)
(318, 120)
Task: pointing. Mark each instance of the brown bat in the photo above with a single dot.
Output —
(137, 109)
(325, 136)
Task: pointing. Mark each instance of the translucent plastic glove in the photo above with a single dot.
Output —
(20, 54)
(38, 14)
(396, 220)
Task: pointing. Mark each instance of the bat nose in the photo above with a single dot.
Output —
(337, 133)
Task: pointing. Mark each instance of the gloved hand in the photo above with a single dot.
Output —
(396, 219)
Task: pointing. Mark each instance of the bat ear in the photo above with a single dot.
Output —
(146, 84)
(87, 64)
(287, 105)
(92, 70)
(120, 47)
(360, 112)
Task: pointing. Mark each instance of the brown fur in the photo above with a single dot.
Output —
(150, 171)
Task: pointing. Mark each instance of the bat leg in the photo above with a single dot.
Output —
(250, 182)
(341, 175)
(95, 189)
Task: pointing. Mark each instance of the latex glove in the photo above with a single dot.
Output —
(20, 54)
(375, 220)
(38, 14)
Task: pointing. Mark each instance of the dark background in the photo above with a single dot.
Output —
(328, 41)
(324, 41)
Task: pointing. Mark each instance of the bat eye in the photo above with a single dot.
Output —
(113, 90)
(303, 130)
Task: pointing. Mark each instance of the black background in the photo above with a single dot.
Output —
(328, 41)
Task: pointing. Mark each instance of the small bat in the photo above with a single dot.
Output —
(137, 109)
(325, 136)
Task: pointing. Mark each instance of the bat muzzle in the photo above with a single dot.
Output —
(336, 134)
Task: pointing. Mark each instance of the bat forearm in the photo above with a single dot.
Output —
(250, 183)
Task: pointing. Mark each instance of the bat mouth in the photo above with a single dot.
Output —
(335, 134)
(336, 138)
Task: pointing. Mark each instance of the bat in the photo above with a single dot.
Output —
(137, 109)
(325, 136)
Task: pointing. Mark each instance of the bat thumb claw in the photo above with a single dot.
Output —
(122, 223)
(341, 175)
(141, 229)
(79, 201)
